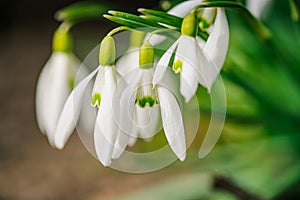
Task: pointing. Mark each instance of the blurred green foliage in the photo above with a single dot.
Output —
(259, 150)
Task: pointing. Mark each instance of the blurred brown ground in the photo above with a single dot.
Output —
(29, 167)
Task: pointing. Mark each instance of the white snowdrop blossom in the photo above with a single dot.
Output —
(256, 7)
(144, 107)
(105, 129)
(196, 60)
(55, 83)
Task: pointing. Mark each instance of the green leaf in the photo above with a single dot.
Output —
(160, 14)
(136, 18)
(82, 11)
(166, 21)
(126, 22)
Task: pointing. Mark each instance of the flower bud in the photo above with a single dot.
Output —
(189, 25)
(107, 54)
(146, 56)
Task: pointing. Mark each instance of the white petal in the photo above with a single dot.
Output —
(184, 8)
(257, 7)
(99, 81)
(106, 127)
(120, 145)
(54, 86)
(216, 47)
(162, 64)
(127, 101)
(172, 122)
(148, 119)
(41, 98)
(189, 53)
(128, 62)
(70, 113)
(128, 132)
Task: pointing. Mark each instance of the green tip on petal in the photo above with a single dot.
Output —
(146, 56)
(177, 66)
(107, 54)
(189, 25)
(62, 40)
(96, 100)
(71, 83)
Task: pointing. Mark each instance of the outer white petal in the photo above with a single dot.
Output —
(106, 127)
(53, 89)
(128, 62)
(70, 113)
(184, 8)
(216, 47)
(99, 81)
(256, 7)
(128, 132)
(189, 53)
(41, 98)
(162, 64)
(172, 122)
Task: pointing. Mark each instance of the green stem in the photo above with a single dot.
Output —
(118, 29)
(155, 32)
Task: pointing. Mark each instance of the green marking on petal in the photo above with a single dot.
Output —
(203, 24)
(71, 83)
(96, 99)
(177, 66)
(146, 100)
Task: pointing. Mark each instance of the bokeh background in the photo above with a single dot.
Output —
(257, 156)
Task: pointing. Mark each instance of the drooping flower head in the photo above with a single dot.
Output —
(197, 59)
(143, 106)
(55, 82)
(105, 129)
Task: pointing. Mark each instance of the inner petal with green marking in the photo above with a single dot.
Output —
(177, 66)
(96, 99)
(146, 95)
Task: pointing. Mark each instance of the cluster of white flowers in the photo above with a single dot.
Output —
(123, 108)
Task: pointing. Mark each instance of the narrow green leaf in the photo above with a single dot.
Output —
(136, 18)
(81, 11)
(159, 14)
(174, 23)
(126, 22)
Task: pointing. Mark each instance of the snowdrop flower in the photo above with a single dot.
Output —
(106, 129)
(196, 60)
(55, 82)
(145, 106)
(257, 7)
